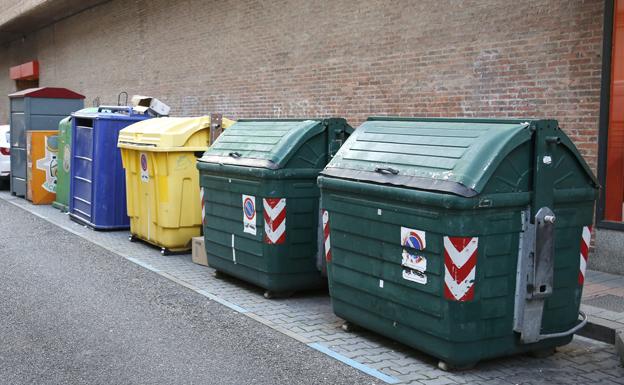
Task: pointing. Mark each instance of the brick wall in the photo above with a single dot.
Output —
(346, 58)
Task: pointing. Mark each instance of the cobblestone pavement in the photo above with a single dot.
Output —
(308, 318)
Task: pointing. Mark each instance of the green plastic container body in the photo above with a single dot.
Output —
(262, 200)
(437, 178)
(64, 159)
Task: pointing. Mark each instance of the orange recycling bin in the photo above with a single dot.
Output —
(41, 152)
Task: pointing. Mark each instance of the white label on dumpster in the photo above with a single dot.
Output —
(414, 261)
(415, 276)
(415, 239)
(249, 214)
(144, 172)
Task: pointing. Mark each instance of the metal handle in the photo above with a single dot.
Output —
(235, 154)
(386, 170)
(573, 330)
(119, 98)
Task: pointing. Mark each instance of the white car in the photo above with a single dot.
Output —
(5, 153)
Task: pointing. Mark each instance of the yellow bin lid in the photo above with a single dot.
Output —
(169, 134)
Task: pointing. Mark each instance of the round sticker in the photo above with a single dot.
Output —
(249, 208)
(414, 241)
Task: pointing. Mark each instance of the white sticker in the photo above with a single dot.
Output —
(414, 261)
(415, 276)
(144, 172)
(249, 214)
(381, 283)
(378, 211)
(416, 239)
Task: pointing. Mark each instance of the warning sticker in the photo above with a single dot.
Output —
(414, 261)
(249, 214)
(416, 239)
(415, 276)
(144, 172)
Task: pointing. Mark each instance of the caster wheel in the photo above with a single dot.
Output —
(443, 365)
(164, 251)
(349, 327)
(218, 274)
(132, 238)
(269, 294)
(542, 353)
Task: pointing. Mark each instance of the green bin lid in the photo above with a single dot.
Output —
(261, 143)
(456, 156)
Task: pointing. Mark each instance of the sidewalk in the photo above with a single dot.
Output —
(308, 318)
(603, 302)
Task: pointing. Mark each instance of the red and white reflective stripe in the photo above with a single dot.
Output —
(585, 239)
(328, 254)
(274, 220)
(460, 267)
(203, 204)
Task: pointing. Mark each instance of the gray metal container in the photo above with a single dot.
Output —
(35, 109)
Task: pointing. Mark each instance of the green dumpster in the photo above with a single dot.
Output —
(262, 201)
(64, 158)
(465, 239)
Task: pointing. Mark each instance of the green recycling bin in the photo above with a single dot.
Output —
(64, 159)
(465, 239)
(262, 201)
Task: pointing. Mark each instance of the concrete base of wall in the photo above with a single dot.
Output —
(607, 255)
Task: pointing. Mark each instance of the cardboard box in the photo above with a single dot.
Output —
(199, 251)
(142, 103)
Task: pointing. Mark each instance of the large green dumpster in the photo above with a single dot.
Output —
(64, 159)
(463, 238)
(261, 200)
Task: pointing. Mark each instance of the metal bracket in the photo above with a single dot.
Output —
(534, 274)
(215, 127)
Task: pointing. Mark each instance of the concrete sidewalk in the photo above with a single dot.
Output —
(603, 302)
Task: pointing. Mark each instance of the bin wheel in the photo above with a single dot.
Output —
(443, 365)
(542, 353)
(349, 327)
(165, 251)
(218, 274)
(269, 294)
(132, 238)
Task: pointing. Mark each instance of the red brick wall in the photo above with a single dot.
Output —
(346, 58)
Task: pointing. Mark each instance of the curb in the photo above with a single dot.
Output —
(619, 344)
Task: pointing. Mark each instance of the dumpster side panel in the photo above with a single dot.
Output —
(274, 266)
(64, 161)
(367, 264)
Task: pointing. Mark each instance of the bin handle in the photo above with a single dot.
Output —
(576, 328)
(386, 170)
(235, 154)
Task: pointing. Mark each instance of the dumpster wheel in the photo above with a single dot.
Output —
(443, 365)
(349, 327)
(165, 251)
(269, 294)
(132, 238)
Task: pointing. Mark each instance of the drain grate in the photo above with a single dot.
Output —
(608, 302)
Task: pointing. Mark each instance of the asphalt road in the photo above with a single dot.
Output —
(74, 313)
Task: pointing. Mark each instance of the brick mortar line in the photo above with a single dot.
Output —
(212, 297)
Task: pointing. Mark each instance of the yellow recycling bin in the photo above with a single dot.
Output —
(162, 182)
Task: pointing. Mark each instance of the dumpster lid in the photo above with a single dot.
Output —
(47, 92)
(261, 143)
(456, 156)
(166, 133)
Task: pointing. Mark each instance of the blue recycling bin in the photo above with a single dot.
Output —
(97, 190)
